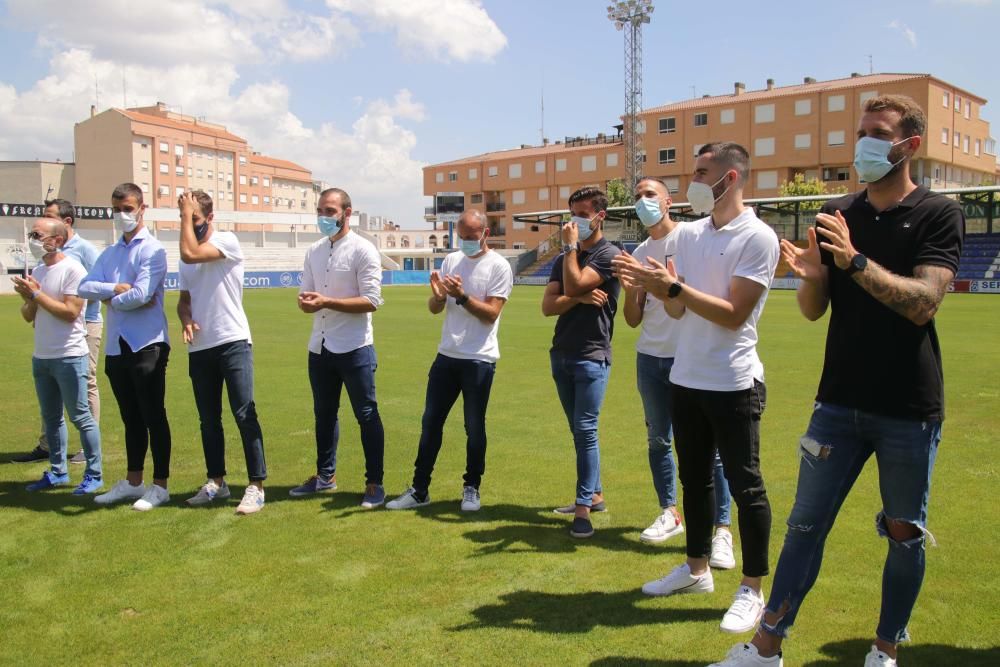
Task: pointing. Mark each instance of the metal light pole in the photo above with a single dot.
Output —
(628, 16)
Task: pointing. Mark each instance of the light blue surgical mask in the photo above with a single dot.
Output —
(871, 158)
(473, 247)
(328, 225)
(583, 227)
(648, 210)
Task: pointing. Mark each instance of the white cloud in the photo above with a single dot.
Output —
(446, 29)
(906, 31)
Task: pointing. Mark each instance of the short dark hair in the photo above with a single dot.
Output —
(730, 155)
(595, 196)
(66, 209)
(912, 120)
(204, 202)
(126, 190)
(345, 199)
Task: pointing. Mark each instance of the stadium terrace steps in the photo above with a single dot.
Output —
(980, 257)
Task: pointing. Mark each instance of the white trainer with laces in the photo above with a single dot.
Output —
(253, 501)
(722, 550)
(208, 492)
(155, 496)
(680, 580)
(663, 528)
(746, 655)
(122, 490)
(745, 611)
(470, 499)
(877, 658)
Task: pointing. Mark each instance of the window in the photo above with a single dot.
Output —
(243, 159)
(937, 170)
(837, 174)
(254, 200)
(211, 193)
(668, 124)
(491, 171)
(163, 190)
(763, 113)
(968, 109)
(763, 146)
(179, 150)
(958, 139)
(253, 180)
(210, 174)
(835, 138)
(668, 155)
(867, 95)
(190, 172)
(267, 182)
(514, 171)
(144, 145)
(611, 160)
(803, 140)
(561, 164)
(588, 163)
(476, 198)
(164, 168)
(243, 179)
(540, 166)
(803, 107)
(543, 194)
(178, 191)
(700, 119)
(243, 198)
(564, 192)
(944, 135)
(439, 177)
(835, 103)
(945, 101)
(145, 186)
(640, 127)
(697, 147)
(727, 116)
(965, 144)
(164, 147)
(179, 170)
(767, 180)
(452, 176)
(517, 197)
(958, 103)
(221, 178)
(978, 147)
(199, 173)
(673, 184)
(473, 173)
(144, 165)
(230, 194)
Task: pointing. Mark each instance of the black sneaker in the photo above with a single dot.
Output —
(79, 457)
(36, 454)
(582, 528)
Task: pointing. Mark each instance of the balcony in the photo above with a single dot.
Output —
(495, 206)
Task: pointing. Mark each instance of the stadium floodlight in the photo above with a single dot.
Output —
(629, 17)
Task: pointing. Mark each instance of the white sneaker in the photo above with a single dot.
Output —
(745, 611)
(209, 492)
(722, 550)
(470, 499)
(680, 580)
(408, 501)
(253, 501)
(664, 527)
(745, 655)
(876, 658)
(154, 497)
(122, 490)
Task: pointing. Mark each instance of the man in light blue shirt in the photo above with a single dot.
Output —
(128, 277)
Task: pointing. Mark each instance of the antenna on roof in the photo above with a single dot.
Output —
(871, 66)
(97, 93)
(694, 92)
(541, 129)
(124, 101)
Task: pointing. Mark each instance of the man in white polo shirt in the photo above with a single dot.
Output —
(219, 348)
(52, 304)
(472, 287)
(341, 288)
(727, 261)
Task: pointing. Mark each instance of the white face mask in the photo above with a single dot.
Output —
(37, 247)
(702, 197)
(125, 222)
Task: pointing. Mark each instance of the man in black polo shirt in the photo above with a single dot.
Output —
(883, 263)
(584, 294)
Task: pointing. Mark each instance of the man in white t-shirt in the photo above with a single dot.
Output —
(471, 288)
(219, 348)
(655, 351)
(60, 361)
(727, 261)
(341, 288)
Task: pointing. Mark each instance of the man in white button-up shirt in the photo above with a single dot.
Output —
(341, 287)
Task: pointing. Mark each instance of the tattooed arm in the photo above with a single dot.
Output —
(917, 298)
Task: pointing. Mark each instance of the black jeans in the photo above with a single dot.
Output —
(448, 378)
(729, 421)
(231, 363)
(138, 380)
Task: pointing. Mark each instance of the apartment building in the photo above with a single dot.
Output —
(808, 128)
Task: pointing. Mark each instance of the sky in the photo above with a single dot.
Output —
(365, 93)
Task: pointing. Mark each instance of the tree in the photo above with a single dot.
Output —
(800, 187)
(618, 193)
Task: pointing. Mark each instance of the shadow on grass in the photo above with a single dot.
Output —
(622, 661)
(60, 500)
(852, 651)
(573, 613)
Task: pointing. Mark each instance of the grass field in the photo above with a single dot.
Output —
(318, 580)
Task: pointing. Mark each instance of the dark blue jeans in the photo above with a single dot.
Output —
(448, 378)
(329, 373)
(833, 452)
(232, 364)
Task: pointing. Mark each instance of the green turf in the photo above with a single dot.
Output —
(320, 580)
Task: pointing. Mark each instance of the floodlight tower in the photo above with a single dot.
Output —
(628, 17)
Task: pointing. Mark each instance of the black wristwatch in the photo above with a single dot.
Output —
(462, 300)
(858, 263)
(567, 247)
(674, 290)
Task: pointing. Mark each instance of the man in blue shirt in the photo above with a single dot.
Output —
(128, 277)
(84, 252)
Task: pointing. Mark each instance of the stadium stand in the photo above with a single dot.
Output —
(980, 257)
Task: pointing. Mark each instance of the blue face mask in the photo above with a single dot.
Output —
(871, 158)
(648, 210)
(328, 225)
(583, 227)
(471, 248)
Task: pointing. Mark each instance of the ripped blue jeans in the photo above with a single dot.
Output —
(837, 444)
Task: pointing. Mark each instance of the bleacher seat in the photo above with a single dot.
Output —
(980, 257)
